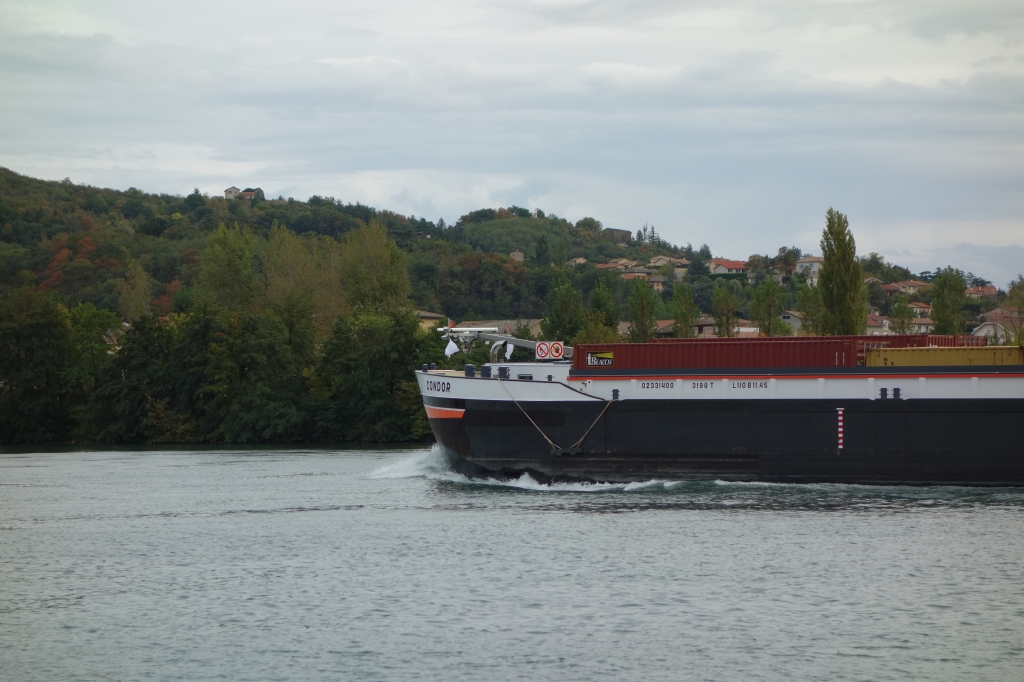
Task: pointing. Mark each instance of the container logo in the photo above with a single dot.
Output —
(604, 358)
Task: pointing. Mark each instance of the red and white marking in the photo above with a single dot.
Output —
(839, 411)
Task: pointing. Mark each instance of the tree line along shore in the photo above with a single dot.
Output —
(128, 317)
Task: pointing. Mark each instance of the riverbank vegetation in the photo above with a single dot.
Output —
(132, 317)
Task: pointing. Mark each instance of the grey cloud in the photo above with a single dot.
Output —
(585, 108)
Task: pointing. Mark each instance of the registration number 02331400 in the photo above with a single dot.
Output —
(657, 384)
(702, 384)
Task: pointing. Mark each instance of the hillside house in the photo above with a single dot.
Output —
(892, 289)
(657, 282)
(617, 264)
(617, 236)
(430, 321)
(231, 193)
(810, 267)
(1001, 322)
(573, 262)
(878, 325)
(659, 261)
(921, 310)
(911, 286)
(794, 318)
(923, 325)
(724, 266)
(980, 292)
(517, 256)
(991, 329)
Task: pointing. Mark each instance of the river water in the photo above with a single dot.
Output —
(382, 565)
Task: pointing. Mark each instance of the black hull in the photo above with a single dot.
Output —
(886, 442)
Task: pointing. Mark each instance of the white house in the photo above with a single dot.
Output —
(991, 329)
(810, 266)
(878, 325)
(922, 325)
(231, 192)
(794, 318)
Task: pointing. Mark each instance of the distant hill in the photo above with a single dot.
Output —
(78, 239)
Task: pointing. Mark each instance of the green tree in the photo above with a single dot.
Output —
(685, 312)
(119, 408)
(840, 279)
(93, 333)
(227, 277)
(1015, 320)
(949, 294)
(36, 351)
(595, 332)
(697, 268)
(303, 287)
(590, 225)
(808, 299)
(543, 251)
(195, 200)
(723, 309)
(602, 305)
(766, 306)
(252, 386)
(366, 377)
(134, 292)
(643, 304)
(373, 270)
(566, 315)
(901, 317)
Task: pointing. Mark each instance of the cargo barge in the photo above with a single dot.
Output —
(896, 410)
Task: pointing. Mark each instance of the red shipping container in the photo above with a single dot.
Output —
(805, 352)
(863, 342)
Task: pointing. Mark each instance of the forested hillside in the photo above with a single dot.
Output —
(134, 317)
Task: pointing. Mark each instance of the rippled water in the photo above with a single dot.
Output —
(382, 565)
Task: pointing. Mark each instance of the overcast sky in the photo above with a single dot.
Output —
(732, 123)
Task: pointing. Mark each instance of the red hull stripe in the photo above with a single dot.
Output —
(444, 412)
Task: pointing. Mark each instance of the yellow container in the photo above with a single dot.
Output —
(945, 357)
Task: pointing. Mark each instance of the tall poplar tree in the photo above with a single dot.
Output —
(685, 311)
(766, 306)
(566, 315)
(602, 305)
(642, 306)
(841, 279)
(949, 294)
(134, 292)
(901, 317)
(723, 307)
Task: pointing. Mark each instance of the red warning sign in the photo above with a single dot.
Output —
(556, 350)
(542, 351)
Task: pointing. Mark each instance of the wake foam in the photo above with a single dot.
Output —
(432, 465)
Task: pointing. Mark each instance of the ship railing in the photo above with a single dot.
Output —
(467, 336)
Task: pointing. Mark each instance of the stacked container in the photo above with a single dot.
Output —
(945, 357)
(725, 354)
(771, 352)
